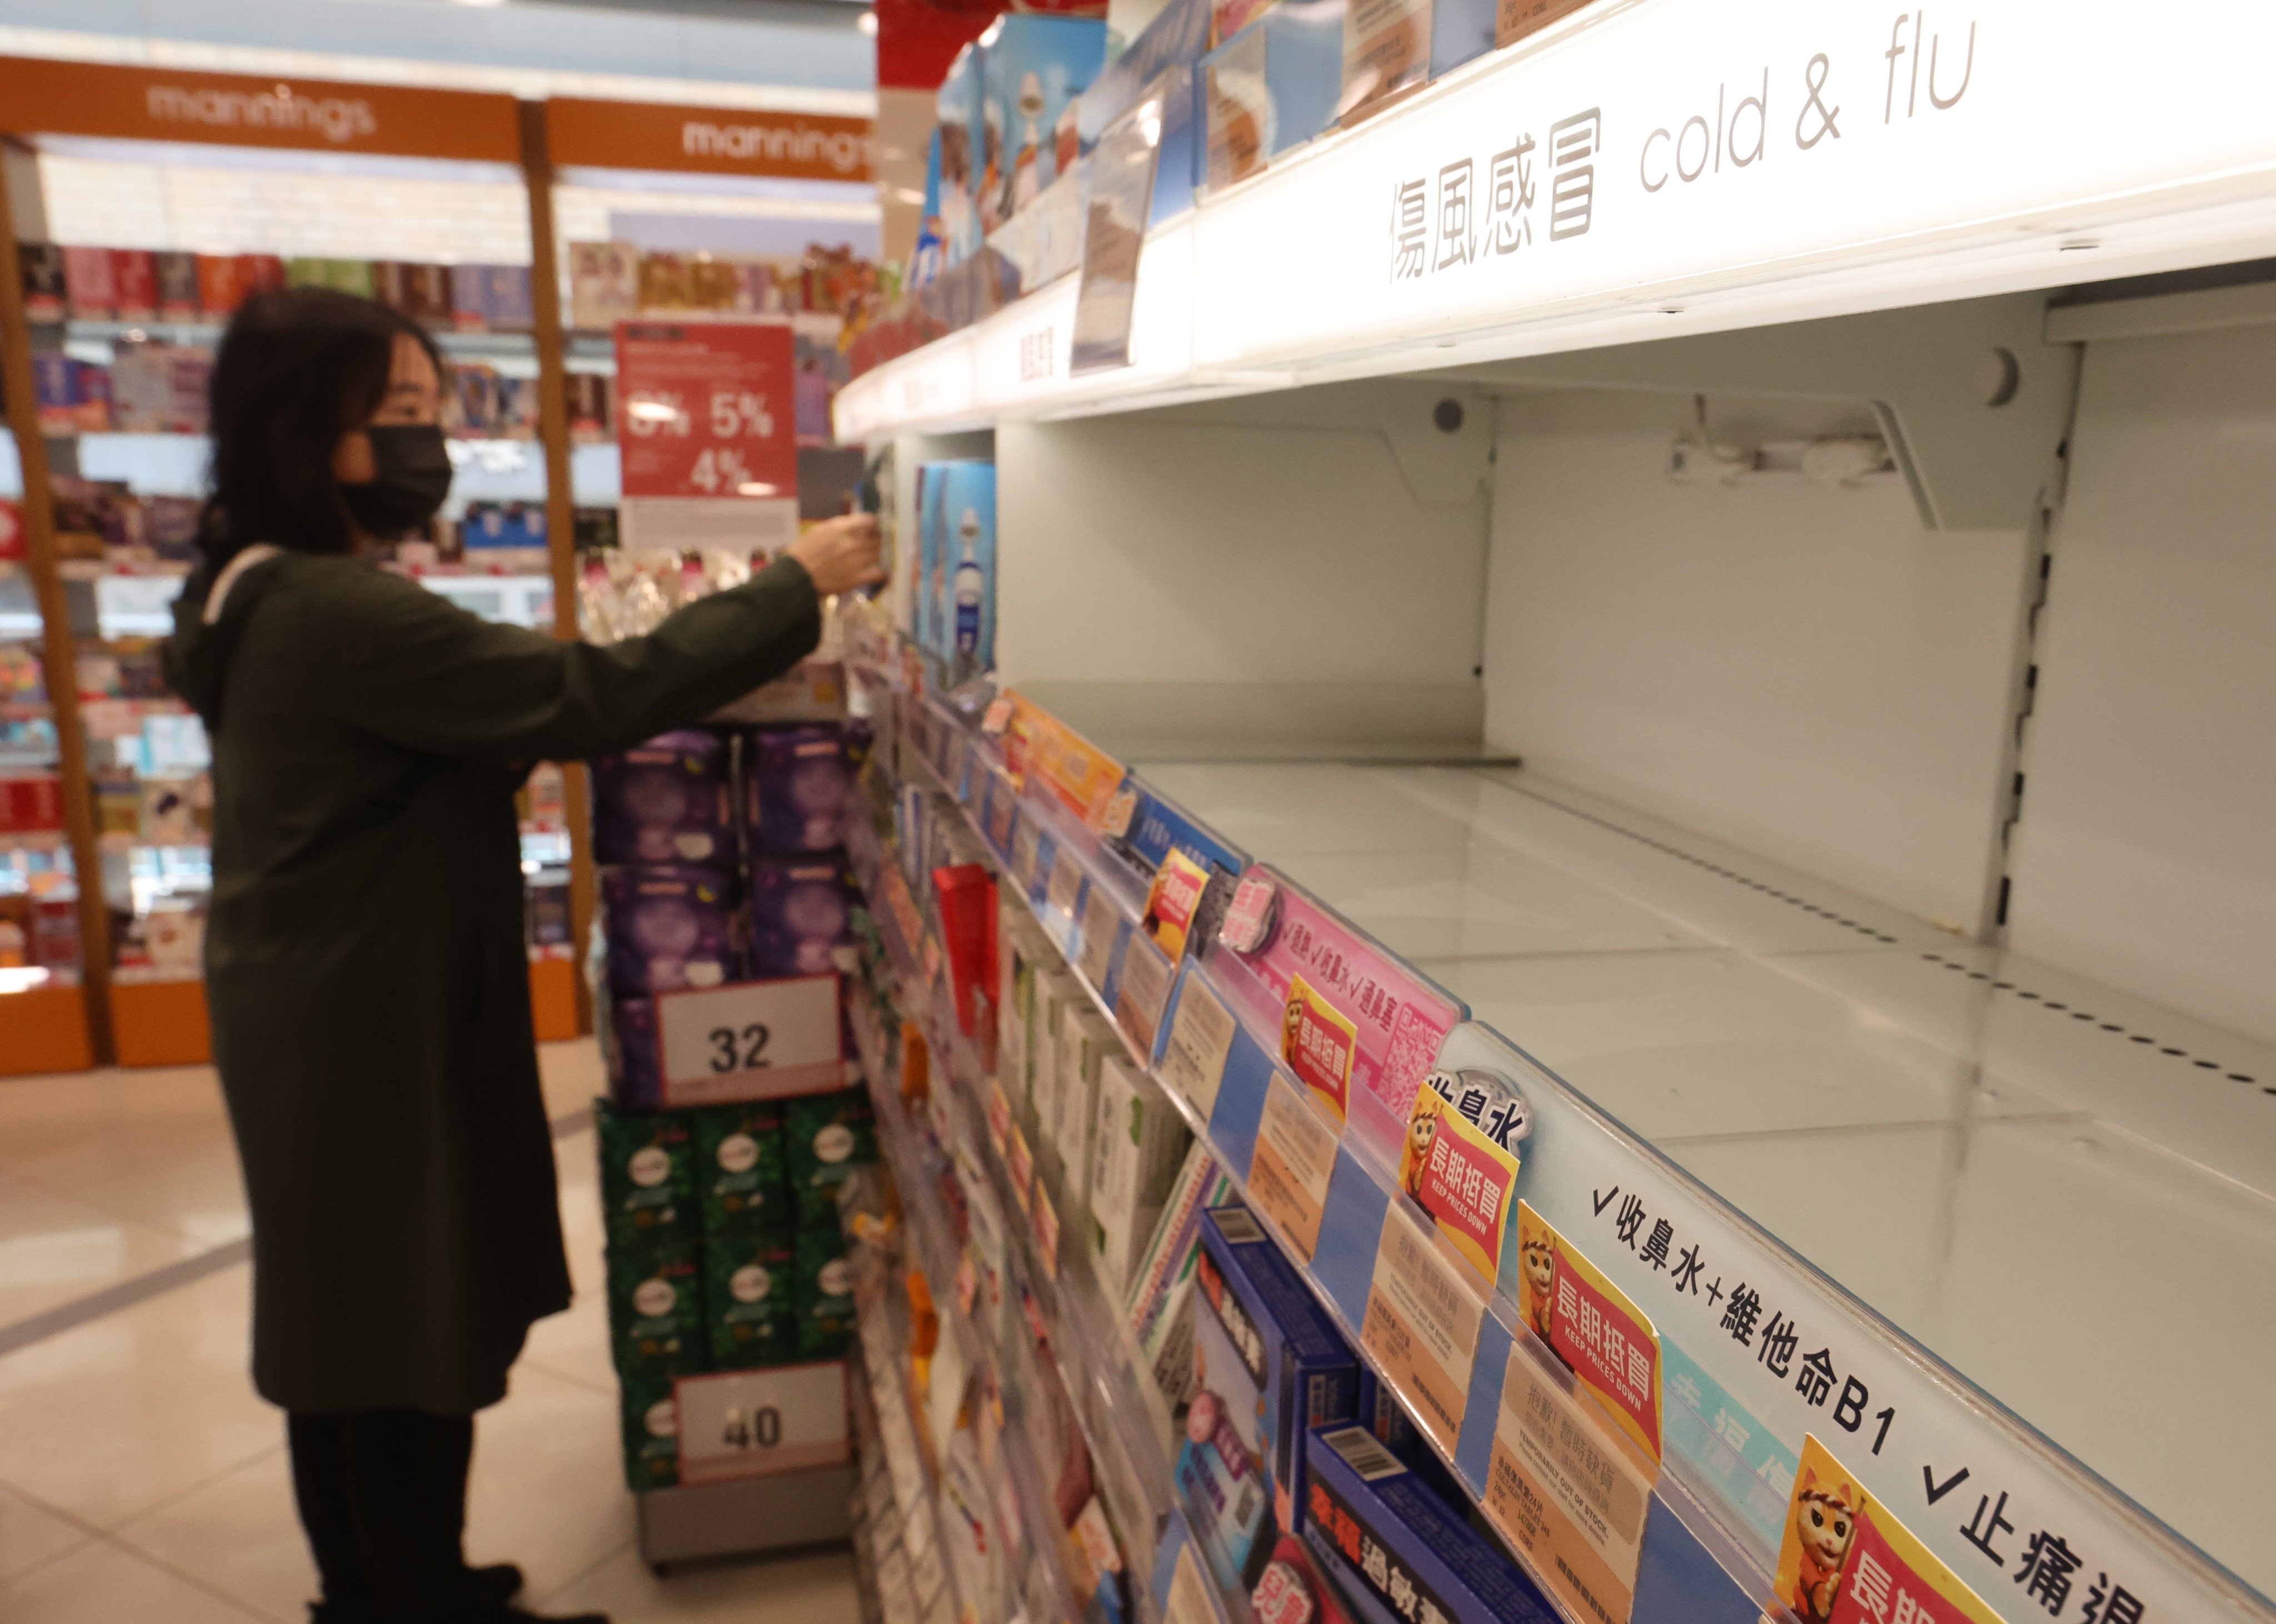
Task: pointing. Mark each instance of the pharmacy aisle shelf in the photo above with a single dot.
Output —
(966, 1367)
(1125, 1425)
(1834, 1029)
(1662, 167)
(1692, 1569)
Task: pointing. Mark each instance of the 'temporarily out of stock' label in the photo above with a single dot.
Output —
(1423, 1312)
(1200, 1038)
(1569, 1490)
(1294, 1159)
(1066, 883)
(1101, 920)
(1189, 1598)
(1146, 972)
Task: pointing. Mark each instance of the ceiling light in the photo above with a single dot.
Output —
(867, 23)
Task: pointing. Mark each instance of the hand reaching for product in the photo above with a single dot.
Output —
(841, 554)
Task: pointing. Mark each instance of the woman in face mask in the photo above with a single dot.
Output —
(365, 972)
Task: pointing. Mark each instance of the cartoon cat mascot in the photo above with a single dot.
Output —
(1421, 1134)
(1540, 1263)
(1824, 1526)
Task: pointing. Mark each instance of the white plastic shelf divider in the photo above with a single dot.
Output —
(1579, 1154)
(1650, 168)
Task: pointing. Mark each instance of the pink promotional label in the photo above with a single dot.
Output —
(1400, 1019)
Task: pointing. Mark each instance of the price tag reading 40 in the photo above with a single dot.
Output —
(750, 1040)
(754, 1423)
(705, 409)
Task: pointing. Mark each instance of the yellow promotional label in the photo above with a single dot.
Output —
(1455, 1173)
(1609, 1344)
(1319, 1042)
(1844, 1559)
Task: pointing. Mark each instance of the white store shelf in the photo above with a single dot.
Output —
(1993, 1174)
(1998, 176)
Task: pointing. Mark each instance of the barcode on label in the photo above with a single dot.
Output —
(1364, 1453)
(1239, 1226)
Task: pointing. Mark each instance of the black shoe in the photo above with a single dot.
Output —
(489, 1590)
(496, 1585)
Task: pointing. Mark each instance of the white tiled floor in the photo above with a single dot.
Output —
(140, 1477)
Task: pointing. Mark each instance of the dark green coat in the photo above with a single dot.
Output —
(364, 957)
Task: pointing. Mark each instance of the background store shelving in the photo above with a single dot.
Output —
(474, 207)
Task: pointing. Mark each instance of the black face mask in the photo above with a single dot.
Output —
(411, 477)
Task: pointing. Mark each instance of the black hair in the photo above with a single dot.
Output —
(297, 368)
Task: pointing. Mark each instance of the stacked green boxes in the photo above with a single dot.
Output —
(724, 1249)
(826, 1137)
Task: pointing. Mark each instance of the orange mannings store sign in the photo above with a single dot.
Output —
(731, 140)
(41, 97)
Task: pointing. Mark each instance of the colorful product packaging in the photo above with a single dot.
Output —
(604, 284)
(88, 285)
(968, 161)
(1138, 1145)
(650, 1420)
(508, 301)
(628, 1051)
(1085, 1042)
(1270, 87)
(40, 266)
(796, 787)
(664, 801)
(738, 1168)
(1392, 46)
(669, 928)
(966, 559)
(1271, 1365)
(135, 281)
(470, 297)
(750, 1299)
(1178, 37)
(648, 1177)
(966, 897)
(801, 913)
(656, 1308)
(178, 290)
(1033, 67)
(824, 1294)
(1380, 1535)
(826, 1136)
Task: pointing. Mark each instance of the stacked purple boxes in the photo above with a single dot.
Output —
(722, 859)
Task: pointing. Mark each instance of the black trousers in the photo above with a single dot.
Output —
(382, 1495)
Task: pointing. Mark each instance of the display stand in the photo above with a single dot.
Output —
(691, 1523)
(153, 1019)
(59, 1027)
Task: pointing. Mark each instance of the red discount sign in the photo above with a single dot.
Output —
(704, 409)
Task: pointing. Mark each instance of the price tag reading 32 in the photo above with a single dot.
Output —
(750, 1040)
